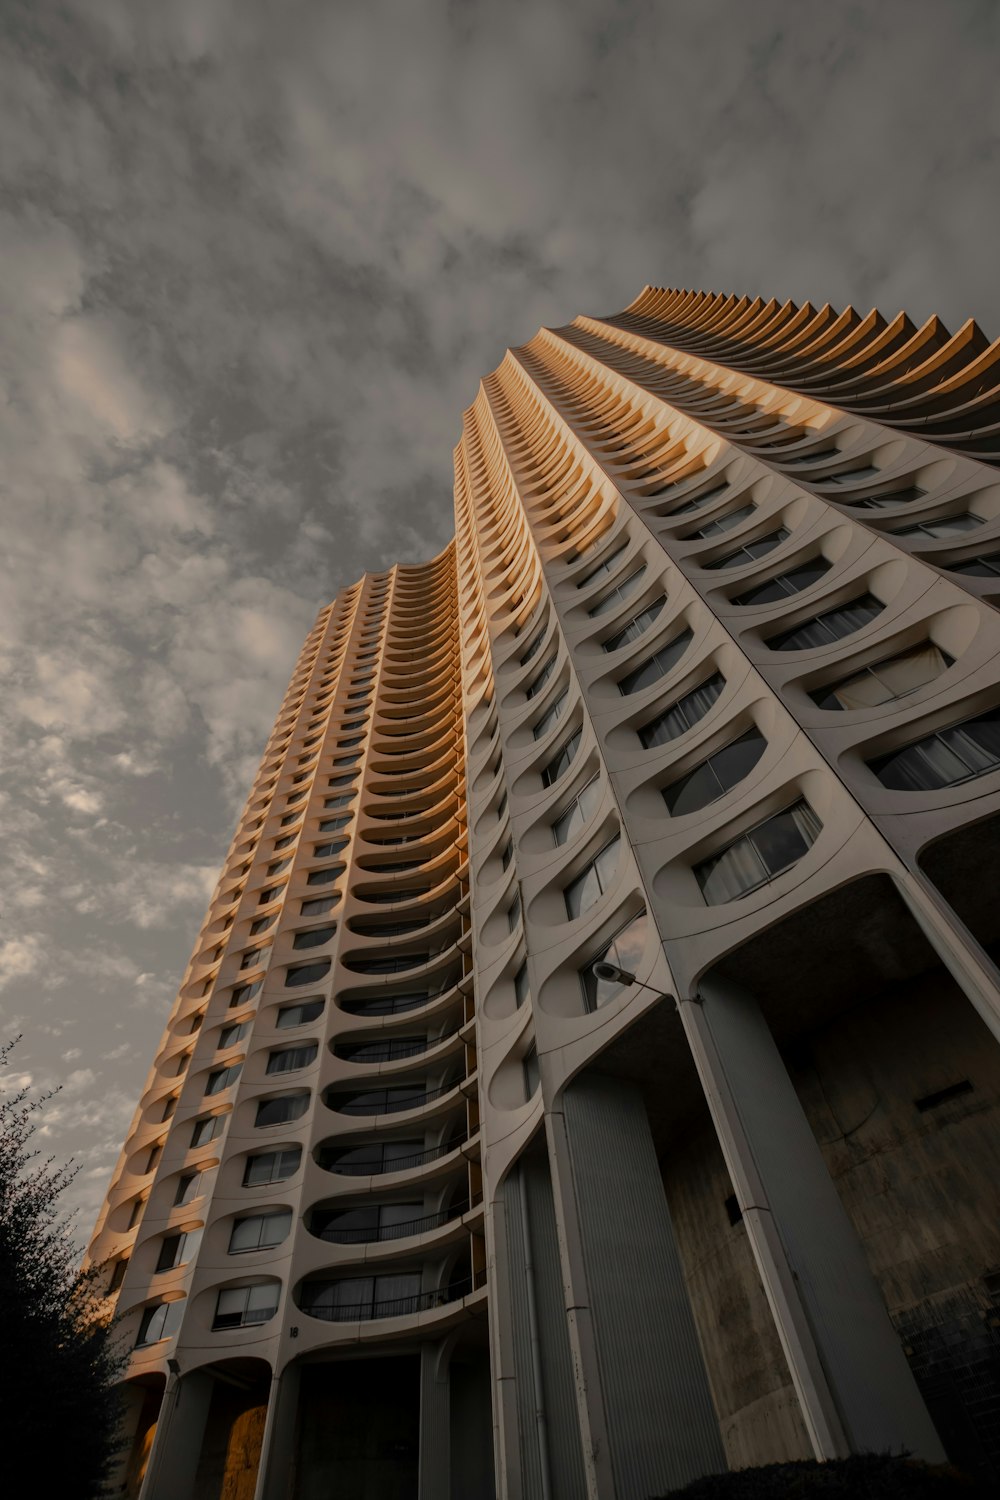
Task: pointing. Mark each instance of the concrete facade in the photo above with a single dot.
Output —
(708, 685)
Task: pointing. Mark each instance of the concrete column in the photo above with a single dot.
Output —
(435, 1422)
(646, 1411)
(596, 1450)
(850, 1374)
(277, 1453)
(173, 1459)
(506, 1437)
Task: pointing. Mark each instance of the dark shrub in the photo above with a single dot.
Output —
(870, 1476)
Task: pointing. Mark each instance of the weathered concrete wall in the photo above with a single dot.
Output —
(922, 1188)
(758, 1412)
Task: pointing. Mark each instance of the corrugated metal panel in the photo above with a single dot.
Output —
(562, 1427)
(662, 1427)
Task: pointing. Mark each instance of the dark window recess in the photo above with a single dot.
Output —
(986, 566)
(947, 758)
(307, 973)
(716, 775)
(733, 1209)
(682, 715)
(832, 626)
(751, 550)
(886, 502)
(792, 582)
(953, 1091)
(656, 666)
(315, 937)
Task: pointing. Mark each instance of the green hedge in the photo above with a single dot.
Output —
(862, 1477)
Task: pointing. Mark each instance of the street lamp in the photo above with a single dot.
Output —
(613, 974)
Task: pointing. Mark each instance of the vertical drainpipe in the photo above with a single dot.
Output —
(541, 1429)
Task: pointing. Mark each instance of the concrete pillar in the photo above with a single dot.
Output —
(646, 1411)
(506, 1437)
(277, 1454)
(850, 1374)
(173, 1459)
(435, 1422)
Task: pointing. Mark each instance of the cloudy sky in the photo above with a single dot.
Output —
(255, 258)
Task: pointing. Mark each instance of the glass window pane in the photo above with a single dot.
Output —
(582, 892)
(625, 950)
(780, 842)
(731, 873)
(695, 790)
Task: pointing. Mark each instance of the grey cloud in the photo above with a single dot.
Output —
(256, 260)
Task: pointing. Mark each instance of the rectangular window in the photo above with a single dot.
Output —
(885, 681)
(318, 906)
(656, 666)
(271, 1166)
(637, 626)
(222, 1079)
(582, 892)
(188, 1188)
(529, 1065)
(548, 719)
(750, 551)
(514, 913)
(946, 758)
(723, 523)
(618, 594)
(785, 584)
(246, 1306)
(832, 626)
(324, 876)
(230, 1035)
(280, 1109)
(313, 937)
(603, 568)
(539, 682)
(289, 1059)
(206, 1130)
(171, 1252)
(758, 856)
(682, 715)
(244, 993)
(625, 951)
(260, 1231)
(561, 760)
(298, 1015)
(578, 812)
(715, 776)
(521, 985)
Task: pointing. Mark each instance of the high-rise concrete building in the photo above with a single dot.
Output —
(586, 1077)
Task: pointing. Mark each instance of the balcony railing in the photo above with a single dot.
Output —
(382, 1102)
(377, 1233)
(396, 1163)
(398, 1307)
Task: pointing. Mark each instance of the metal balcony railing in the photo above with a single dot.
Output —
(397, 1307)
(379, 1232)
(394, 1163)
(382, 1102)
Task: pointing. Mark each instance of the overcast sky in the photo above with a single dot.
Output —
(255, 259)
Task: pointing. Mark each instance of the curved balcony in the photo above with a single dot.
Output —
(395, 1100)
(376, 1158)
(399, 1303)
(378, 1232)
